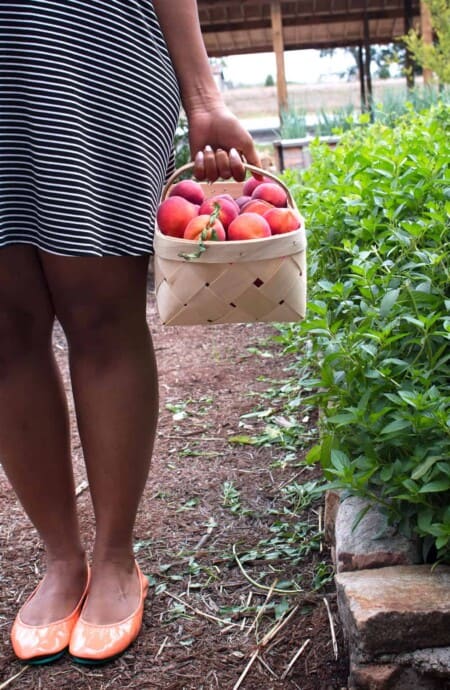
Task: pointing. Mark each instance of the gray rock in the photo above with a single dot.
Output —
(332, 503)
(392, 677)
(434, 662)
(372, 543)
(394, 609)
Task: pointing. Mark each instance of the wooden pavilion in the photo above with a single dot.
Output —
(232, 27)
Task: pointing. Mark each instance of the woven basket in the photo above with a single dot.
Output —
(232, 281)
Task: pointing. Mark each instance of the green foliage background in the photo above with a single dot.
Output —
(435, 56)
(374, 351)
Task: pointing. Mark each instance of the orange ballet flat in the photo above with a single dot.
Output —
(42, 644)
(93, 644)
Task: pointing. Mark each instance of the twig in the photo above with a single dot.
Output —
(82, 486)
(276, 642)
(277, 627)
(266, 665)
(163, 644)
(265, 640)
(333, 634)
(292, 479)
(257, 584)
(229, 627)
(246, 670)
(199, 612)
(247, 605)
(203, 539)
(263, 607)
(320, 529)
(294, 659)
(13, 678)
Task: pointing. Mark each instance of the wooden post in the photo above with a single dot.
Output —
(409, 62)
(367, 61)
(362, 79)
(278, 46)
(426, 30)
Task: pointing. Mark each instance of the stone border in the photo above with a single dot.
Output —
(394, 609)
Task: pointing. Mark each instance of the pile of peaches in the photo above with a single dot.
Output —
(260, 212)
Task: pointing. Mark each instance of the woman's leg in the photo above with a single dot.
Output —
(34, 431)
(101, 304)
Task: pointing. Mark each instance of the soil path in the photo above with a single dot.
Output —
(205, 498)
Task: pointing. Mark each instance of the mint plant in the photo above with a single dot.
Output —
(376, 340)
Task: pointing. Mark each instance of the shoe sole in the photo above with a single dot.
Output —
(96, 662)
(41, 660)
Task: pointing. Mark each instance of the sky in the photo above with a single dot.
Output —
(302, 66)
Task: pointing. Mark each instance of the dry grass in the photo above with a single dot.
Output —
(261, 101)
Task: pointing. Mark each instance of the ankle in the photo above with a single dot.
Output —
(64, 557)
(121, 556)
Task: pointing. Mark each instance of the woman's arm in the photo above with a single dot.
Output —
(216, 137)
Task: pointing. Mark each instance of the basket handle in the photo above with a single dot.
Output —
(247, 166)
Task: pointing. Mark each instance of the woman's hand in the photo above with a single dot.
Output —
(218, 142)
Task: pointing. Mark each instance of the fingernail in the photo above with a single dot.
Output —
(199, 157)
(208, 148)
(234, 153)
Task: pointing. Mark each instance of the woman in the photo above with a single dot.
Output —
(89, 95)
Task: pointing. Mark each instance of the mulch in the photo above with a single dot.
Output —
(209, 616)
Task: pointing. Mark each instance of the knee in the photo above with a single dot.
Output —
(97, 331)
(22, 333)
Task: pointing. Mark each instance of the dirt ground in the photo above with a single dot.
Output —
(214, 602)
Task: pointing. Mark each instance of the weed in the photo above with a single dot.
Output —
(232, 499)
(322, 576)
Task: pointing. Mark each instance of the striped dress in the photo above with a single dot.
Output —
(89, 104)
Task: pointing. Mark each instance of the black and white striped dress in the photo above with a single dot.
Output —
(89, 104)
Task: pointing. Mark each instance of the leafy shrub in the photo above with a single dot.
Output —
(435, 55)
(181, 143)
(395, 104)
(340, 120)
(293, 124)
(377, 335)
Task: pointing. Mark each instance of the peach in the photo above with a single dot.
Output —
(248, 226)
(251, 184)
(201, 227)
(173, 214)
(228, 209)
(190, 190)
(282, 220)
(256, 206)
(271, 192)
(228, 197)
(242, 200)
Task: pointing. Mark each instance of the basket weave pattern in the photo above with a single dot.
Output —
(233, 281)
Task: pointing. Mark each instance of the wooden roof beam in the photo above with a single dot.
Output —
(345, 18)
(301, 45)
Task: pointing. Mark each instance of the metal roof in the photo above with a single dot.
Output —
(232, 27)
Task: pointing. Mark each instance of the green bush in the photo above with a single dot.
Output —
(293, 124)
(395, 104)
(376, 341)
(181, 143)
(338, 121)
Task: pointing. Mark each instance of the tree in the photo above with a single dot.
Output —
(433, 56)
(269, 81)
(382, 56)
